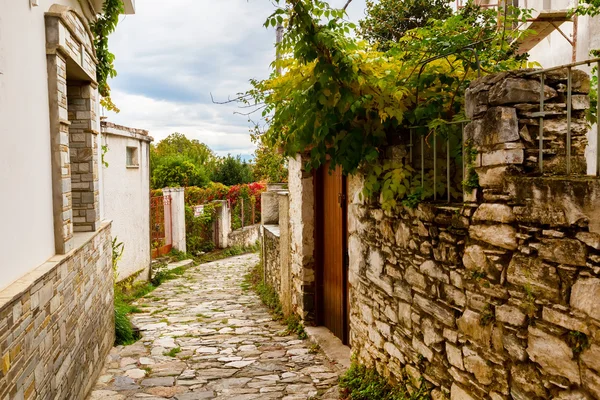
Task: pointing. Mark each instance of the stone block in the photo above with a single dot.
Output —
(477, 366)
(499, 125)
(552, 354)
(503, 236)
(458, 393)
(514, 347)
(422, 349)
(563, 251)
(591, 357)
(437, 311)
(470, 325)
(517, 90)
(489, 212)
(435, 271)
(589, 238)
(502, 157)
(415, 279)
(542, 279)
(454, 355)
(585, 296)
(564, 320)
(475, 259)
(580, 80)
(393, 351)
(510, 315)
(526, 382)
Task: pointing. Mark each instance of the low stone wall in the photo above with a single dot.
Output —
(272, 257)
(245, 237)
(57, 323)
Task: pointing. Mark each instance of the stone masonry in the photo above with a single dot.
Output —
(498, 297)
(57, 323)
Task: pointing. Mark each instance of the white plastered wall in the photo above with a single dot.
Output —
(126, 201)
(26, 232)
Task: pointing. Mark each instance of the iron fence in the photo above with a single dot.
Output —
(421, 142)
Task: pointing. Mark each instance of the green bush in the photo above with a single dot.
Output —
(363, 383)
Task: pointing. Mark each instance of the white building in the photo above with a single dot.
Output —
(56, 271)
(125, 195)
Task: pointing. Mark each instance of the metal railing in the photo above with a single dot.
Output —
(434, 147)
(541, 114)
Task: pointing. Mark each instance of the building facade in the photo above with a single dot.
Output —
(56, 299)
(125, 195)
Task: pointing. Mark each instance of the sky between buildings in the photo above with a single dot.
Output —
(171, 55)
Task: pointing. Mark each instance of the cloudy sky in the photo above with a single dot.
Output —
(171, 55)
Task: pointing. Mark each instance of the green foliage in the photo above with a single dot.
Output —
(578, 341)
(173, 352)
(232, 171)
(178, 171)
(471, 180)
(387, 21)
(199, 230)
(104, 25)
(124, 334)
(487, 316)
(104, 151)
(587, 7)
(363, 383)
(344, 101)
(117, 254)
(178, 144)
(269, 165)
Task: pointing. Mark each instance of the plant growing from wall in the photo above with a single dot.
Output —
(343, 101)
(104, 25)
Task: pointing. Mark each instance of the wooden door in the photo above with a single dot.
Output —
(331, 251)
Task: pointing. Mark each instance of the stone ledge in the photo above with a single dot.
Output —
(333, 348)
(273, 230)
(15, 289)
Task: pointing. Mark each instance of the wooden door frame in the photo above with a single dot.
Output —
(318, 253)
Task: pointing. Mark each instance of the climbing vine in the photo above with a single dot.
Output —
(342, 100)
(104, 25)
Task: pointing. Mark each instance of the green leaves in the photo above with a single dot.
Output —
(102, 28)
(342, 99)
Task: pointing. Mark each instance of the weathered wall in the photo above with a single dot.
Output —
(302, 246)
(126, 196)
(244, 237)
(271, 256)
(491, 299)
(57, 323)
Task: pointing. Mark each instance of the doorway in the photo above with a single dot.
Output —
(331, 251)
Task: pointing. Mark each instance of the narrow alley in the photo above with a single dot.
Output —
(206, 337)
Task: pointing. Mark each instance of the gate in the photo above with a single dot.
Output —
(332, 271)
(161, 231)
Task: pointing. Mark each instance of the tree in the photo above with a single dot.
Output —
(177, 143)
(387, 21)
(269, 164)
(178, 171)
(232, 171)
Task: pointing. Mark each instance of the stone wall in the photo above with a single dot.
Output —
(302, 246)
(244, 237)
(57, 323)
(272, 257)
(494, 298)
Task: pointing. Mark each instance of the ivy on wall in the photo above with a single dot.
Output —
(104, 25)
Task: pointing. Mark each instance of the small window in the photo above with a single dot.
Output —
(132, 157)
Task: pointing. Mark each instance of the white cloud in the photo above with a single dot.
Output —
(172, 54)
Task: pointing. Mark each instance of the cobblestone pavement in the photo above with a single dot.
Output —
(229, 346)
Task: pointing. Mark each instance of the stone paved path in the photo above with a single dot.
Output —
(230, 348)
